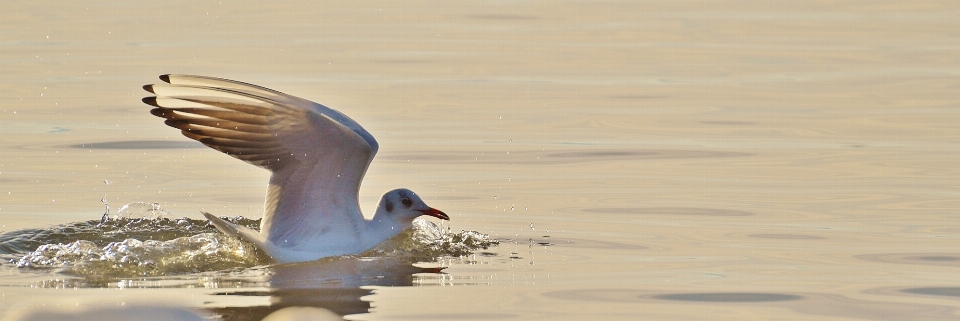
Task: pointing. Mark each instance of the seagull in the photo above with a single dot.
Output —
(317, 157)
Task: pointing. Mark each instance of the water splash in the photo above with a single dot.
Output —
(106, 212)
(141, 240)
(141, 210)
(427, 241)
(121, 246)
(132, 257)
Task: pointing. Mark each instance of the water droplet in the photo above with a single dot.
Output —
(106, 182)
(532, 228)
(106, 211)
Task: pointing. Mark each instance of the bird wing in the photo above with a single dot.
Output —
(317, 155)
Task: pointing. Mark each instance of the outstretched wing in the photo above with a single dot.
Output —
(317, 155)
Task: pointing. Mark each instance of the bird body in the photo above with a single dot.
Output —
(317, 157)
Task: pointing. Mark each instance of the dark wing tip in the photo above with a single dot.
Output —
(152, 101)
(149, 88)
(162, 112)
(178, 124)
(165, 78)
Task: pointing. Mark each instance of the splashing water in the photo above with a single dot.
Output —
(134, 246)
(141, 210)
(132, 257)
(141, 240)
(106, 212)
(426, 241)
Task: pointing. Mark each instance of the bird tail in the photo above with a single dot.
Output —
(250, 235)
(241, 232)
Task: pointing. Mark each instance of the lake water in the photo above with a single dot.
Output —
(662, 160)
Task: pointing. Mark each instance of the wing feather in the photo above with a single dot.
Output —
(188, 113)
(220, 123)
(234, 143)
(236, 87)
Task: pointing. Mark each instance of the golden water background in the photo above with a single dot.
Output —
(801, 157)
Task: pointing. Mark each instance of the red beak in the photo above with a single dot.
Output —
(435, 213)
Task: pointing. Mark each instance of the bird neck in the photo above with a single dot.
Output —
(384, 226)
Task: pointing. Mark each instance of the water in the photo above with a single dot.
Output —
(139, 248)
(668, 160)
(139, 241)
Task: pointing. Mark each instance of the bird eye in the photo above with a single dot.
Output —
(406, 202)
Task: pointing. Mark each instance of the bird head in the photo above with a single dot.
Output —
(404, 205)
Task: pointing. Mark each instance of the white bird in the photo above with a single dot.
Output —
(317, 157)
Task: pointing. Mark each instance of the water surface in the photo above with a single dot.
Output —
(667, 160)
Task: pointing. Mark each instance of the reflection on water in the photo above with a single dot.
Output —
(332, 284)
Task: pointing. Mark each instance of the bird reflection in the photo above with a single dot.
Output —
(333, 284)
